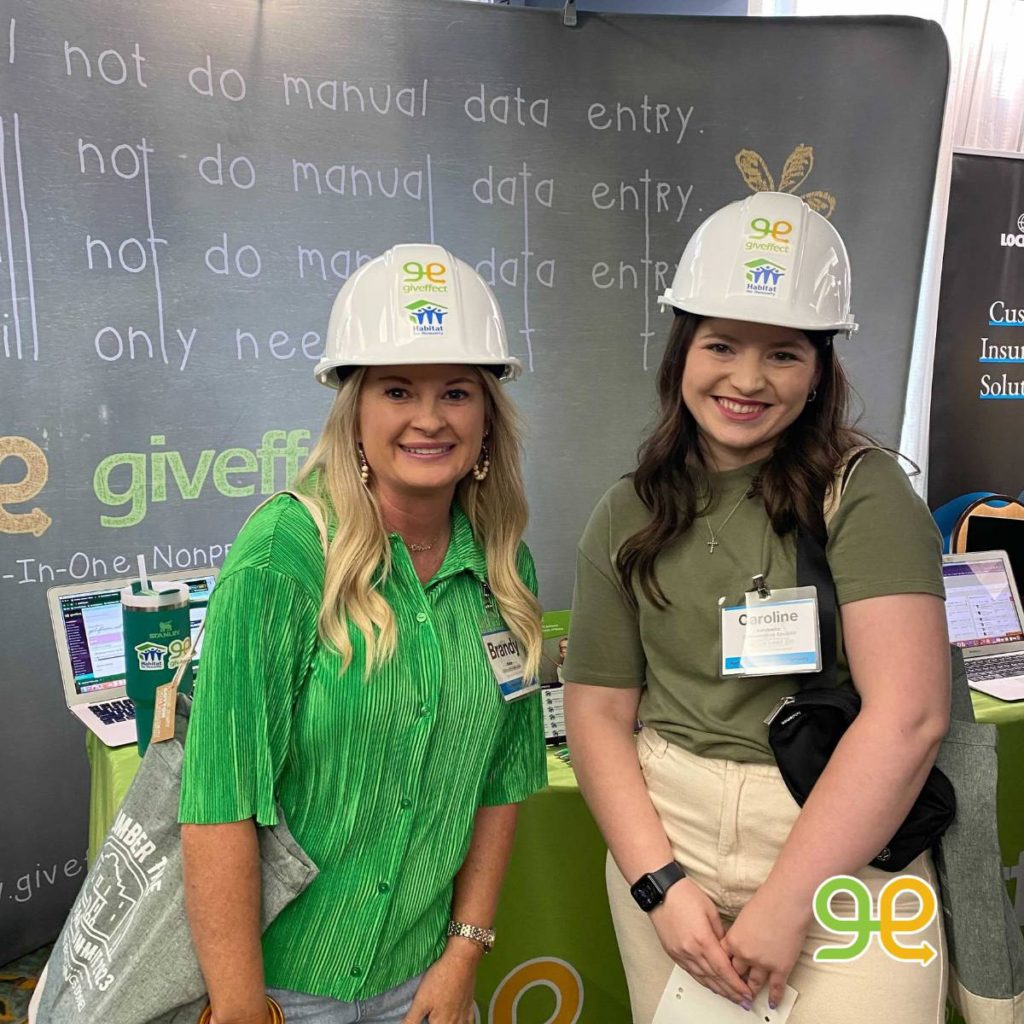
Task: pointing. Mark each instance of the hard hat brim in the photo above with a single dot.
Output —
(329, 373)
(754, 315)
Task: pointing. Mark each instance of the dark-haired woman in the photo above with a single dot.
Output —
(712, 865)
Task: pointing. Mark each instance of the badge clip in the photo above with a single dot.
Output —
(761, 587)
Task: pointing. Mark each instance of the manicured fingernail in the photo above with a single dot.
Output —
(771, 1005)
(746, 1004)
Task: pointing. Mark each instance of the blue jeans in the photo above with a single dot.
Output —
(388, 1008)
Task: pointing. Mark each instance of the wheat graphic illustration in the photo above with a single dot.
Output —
(795, 172)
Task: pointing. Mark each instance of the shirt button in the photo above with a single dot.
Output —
(383, 887)
(356, 971)
(406, 803)
(424, 710)
(421, 616)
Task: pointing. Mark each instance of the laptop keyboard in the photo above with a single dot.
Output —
(114, 711)
(979, 669)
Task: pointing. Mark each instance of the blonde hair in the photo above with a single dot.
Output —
(359, 556)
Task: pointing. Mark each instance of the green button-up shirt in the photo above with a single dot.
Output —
(379, 780)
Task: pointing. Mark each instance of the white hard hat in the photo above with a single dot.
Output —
(415, 304)
(769, 259)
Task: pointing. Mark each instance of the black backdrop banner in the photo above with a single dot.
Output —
(977, 412)
(184, 187)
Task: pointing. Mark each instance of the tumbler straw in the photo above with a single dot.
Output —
(143, 579)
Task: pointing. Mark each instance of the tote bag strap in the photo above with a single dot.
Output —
(315, 514)
(311, 507)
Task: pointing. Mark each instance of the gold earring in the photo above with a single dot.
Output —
(483, 464)
(364, 466)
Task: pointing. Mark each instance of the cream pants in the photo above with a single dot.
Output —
(726, 822)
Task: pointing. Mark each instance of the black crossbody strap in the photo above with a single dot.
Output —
(812, 570)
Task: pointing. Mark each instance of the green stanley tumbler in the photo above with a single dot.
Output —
(156, 641)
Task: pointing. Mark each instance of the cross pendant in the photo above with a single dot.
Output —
(712, 544)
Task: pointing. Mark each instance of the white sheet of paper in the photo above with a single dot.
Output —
(686, 1001)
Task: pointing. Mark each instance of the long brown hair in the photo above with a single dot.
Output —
(671, 476)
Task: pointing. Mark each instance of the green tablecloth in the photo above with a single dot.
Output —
(556, 948)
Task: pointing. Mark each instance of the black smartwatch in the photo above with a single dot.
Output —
(649, 890)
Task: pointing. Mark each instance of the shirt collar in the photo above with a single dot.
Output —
(464, 551)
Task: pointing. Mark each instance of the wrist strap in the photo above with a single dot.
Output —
(668, 875)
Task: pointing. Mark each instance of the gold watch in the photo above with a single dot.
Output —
(483, 937)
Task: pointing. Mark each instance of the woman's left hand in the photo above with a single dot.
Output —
(765, 941)
(445, 995)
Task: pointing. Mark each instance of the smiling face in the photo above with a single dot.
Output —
(744, 384)
(421, 427)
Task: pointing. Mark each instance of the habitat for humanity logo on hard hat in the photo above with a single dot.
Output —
(763, 277)
(151, 656)
(427, 317)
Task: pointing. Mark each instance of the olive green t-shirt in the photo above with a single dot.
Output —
(881, 541)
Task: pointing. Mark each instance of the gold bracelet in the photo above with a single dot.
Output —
(276, 1013)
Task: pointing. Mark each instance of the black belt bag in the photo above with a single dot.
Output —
(805, 728)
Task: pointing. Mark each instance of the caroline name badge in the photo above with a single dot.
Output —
(771, 636)
(505, 658)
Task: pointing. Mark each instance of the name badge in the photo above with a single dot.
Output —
(506, 661)
(772, 636)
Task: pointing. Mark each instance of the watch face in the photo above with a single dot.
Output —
(647, 893)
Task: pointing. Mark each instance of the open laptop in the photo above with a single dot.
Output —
(86, 620)
(986, 621)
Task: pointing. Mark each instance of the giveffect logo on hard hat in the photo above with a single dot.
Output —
(424, 277)
(765, 235)
(763, 277)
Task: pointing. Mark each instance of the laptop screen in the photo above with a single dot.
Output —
(980, 608)
(93, 632)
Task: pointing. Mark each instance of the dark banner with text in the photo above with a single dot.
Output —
(977, 412)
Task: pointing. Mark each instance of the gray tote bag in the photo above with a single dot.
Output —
(125, 954)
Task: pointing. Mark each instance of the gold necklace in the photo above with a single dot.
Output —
(423, 547)
(713, 543)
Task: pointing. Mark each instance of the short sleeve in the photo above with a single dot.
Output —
(883, 539)
(259, 640)
(605, 647)
(519, 766)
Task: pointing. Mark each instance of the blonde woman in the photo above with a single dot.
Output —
(382, 699)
